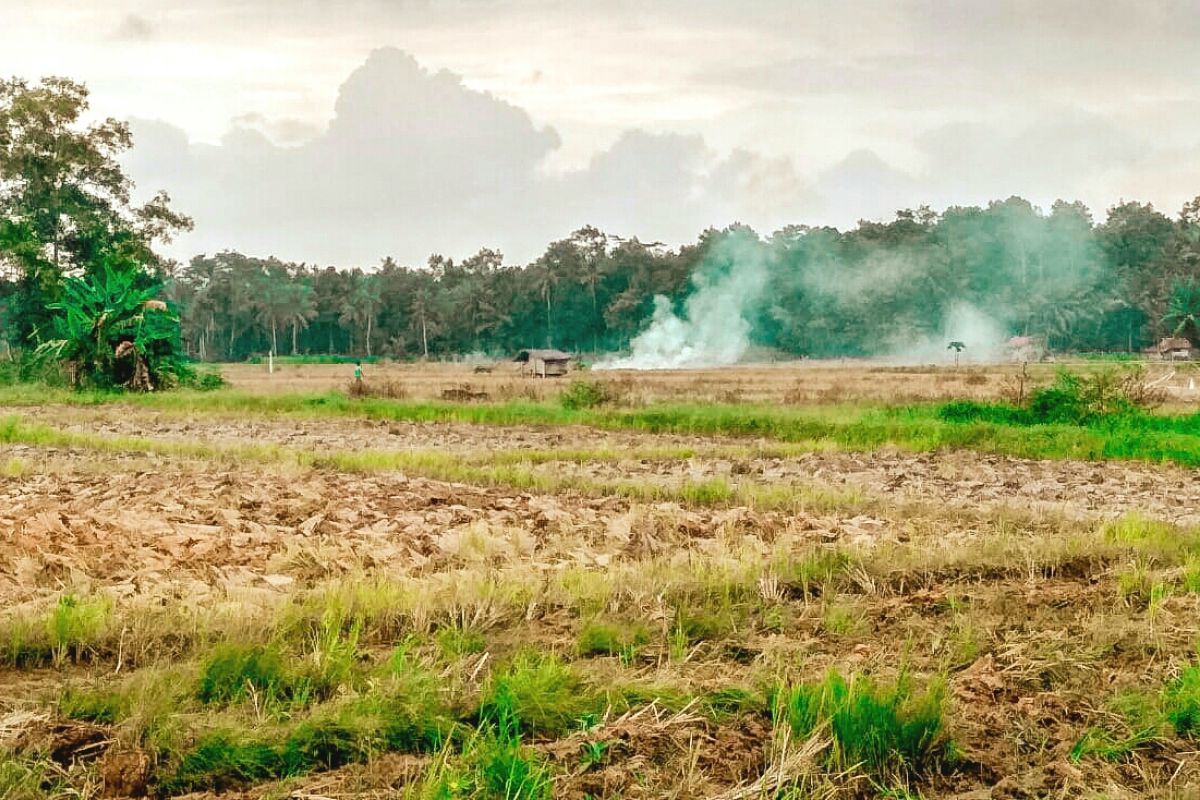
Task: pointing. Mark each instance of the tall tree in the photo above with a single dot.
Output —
(65, 202)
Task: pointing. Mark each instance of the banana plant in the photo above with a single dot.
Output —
(109, 329)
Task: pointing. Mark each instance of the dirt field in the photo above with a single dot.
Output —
(1055, 602)
(797, 382)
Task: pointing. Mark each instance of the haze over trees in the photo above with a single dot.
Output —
(1118, 284)
(67, 220)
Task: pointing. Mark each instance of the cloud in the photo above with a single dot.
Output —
(133, 28)
(414, 162)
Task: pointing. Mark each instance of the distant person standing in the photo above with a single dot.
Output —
(358, 383)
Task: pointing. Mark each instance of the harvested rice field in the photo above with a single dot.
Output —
(201, 600)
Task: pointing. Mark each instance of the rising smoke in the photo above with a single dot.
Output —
(713, 329)
(984, 338)
(901, 291)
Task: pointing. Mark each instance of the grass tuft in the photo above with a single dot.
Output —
(883, 729)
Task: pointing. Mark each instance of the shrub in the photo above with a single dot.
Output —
(109, 330)
(205, 381)
(581, 394)
(1073, 399)
(885, 730)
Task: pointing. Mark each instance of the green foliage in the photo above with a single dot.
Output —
(582, 393)
(74, 624)
(885, 730)
(1181, 702)
(104, 707)
(1105, 397)
(234, 670)
(65, 199)
(536, 693)
(109, 330)
(600, 638)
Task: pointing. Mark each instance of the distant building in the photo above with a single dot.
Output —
(1025, 348)
(1174, 348)
(545, 363)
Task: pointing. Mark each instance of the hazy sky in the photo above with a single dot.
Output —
(340, 132)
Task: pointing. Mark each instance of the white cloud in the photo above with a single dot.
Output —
(415, 162)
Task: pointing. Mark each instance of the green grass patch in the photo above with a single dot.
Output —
(989, 428)
(604, 638)
(539, 694)
(103, 707)
(885, 730)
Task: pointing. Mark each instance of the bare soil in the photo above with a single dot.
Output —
(1032, 652)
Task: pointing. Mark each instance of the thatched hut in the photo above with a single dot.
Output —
(1174, 348)
(545, 363)
(1025, 348)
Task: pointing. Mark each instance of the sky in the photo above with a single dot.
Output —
(343, 132)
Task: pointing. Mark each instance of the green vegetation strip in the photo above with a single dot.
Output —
(1145, 437)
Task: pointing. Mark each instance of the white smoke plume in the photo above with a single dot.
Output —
(713, 330)
(983, 337)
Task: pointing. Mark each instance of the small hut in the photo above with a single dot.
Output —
(545, 363)
(1175, 348)
(1025, 348)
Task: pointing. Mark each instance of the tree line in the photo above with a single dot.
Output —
(81, 279)
(1118, 284)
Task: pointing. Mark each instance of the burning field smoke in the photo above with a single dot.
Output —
(713, 329)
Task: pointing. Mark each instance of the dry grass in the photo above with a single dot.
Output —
(654, 596)
(793, 383)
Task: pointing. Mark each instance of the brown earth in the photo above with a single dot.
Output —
(1034, 641)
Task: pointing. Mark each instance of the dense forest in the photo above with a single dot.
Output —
(74, 247)
(1081, 285)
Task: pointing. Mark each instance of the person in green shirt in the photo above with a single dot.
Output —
(358, 374)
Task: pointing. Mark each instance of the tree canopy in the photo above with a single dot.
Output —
(77, 254)
(1056, 275)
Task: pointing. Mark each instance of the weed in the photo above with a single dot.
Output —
(74, 624)
(734, 701)
(698, 624)
(507, 771)
(1181, 702)
(235, 670)
(105, 707)
(454, 642)
(14, 467)
(600, 638)
(22, 779)
(584, 394)
(1190, 578)
(881, 729)
(593, 753)
(220, 761)
(842, 619)
(536, 693)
